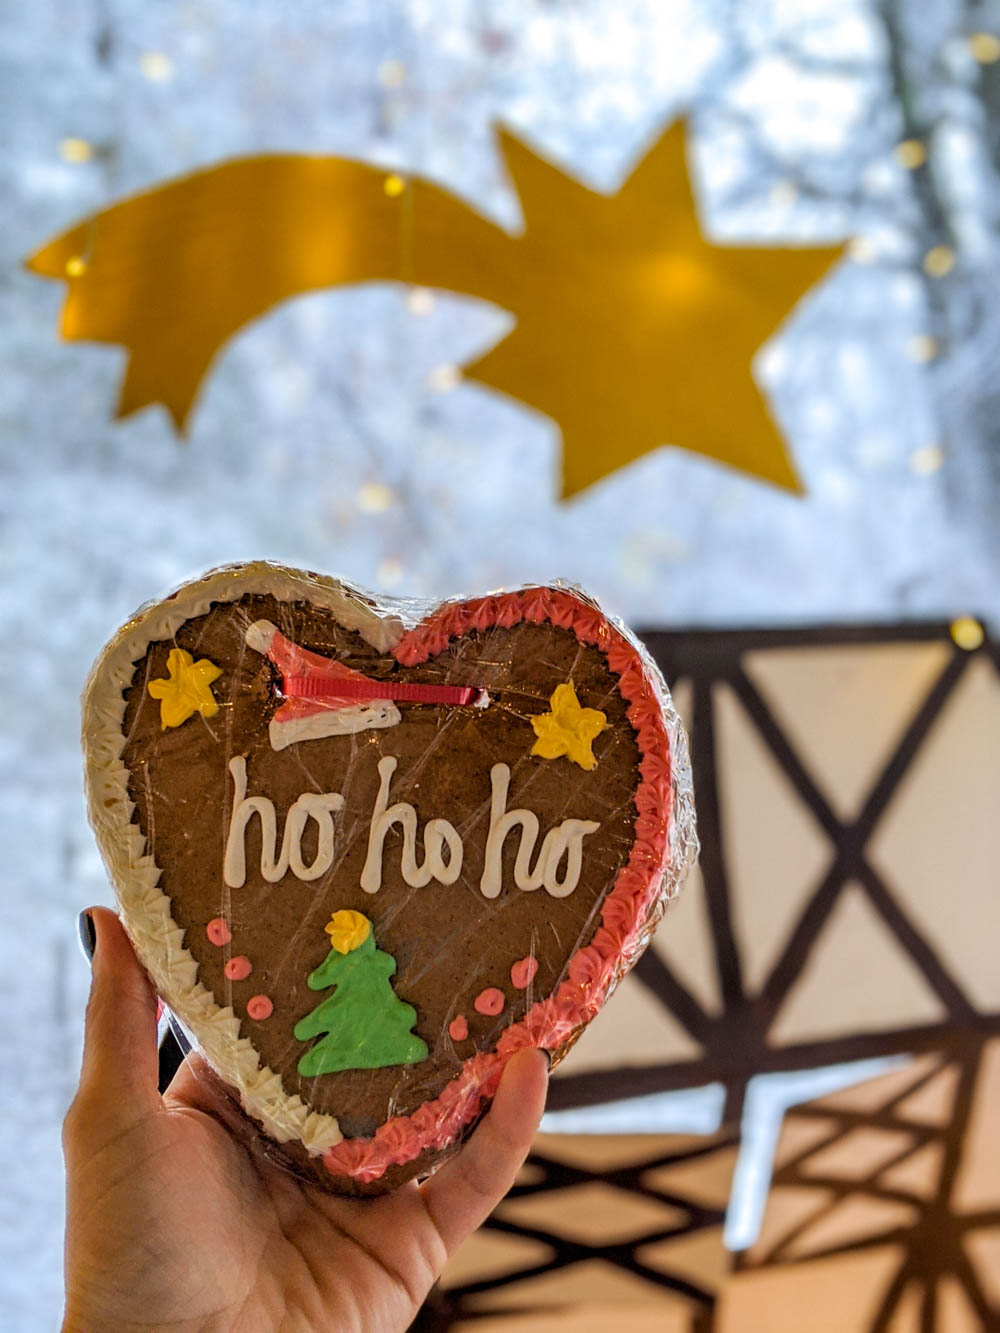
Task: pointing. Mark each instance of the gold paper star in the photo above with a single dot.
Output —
(187, 689)
(568, 729)
(632, 330)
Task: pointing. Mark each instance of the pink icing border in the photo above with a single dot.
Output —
(594, 969)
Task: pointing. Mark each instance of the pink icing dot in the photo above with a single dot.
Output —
(489, 1001)
(260, 1007)
(523, 972)
(239, 968)
(458, 1028)
(218, 931)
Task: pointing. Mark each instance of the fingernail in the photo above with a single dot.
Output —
(88, 935)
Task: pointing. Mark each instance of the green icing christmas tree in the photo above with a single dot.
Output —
(365, 1023)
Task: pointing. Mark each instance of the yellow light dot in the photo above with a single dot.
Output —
(922, 348)
(375, 497)
(927, 459)
(394, 185)
(75, 150)
(392, 74)
(442, 379)
(389, 571)
(862, 251)
(911, 154)
(939, 261)
(420, 301)
(967, 633)
(784, 194)
(75, 267)
(985, 47)
(156, 66)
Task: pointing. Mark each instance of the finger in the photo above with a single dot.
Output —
(466, 1189)
(196, 1085)
(118, 1079)
(187, 1087)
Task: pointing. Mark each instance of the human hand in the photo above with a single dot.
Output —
(175, 1226)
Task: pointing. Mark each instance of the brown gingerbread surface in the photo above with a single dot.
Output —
(450, 942)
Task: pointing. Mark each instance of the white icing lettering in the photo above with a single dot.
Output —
(320, 806)
(566, 840)
(561, 849)
(437, 835)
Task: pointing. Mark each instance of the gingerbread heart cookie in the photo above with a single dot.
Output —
(365, 856)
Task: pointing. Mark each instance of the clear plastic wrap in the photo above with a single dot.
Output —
(369, 848)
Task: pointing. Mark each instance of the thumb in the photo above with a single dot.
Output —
(467, 1189)
(118, 1080)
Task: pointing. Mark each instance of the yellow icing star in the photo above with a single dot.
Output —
(568, 729)
(347, 929)
(187, 689)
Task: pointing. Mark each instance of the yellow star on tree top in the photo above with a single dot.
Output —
(347, 929)
(568, 729)
(187, 689)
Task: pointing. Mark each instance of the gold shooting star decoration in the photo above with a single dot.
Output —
(632, 330)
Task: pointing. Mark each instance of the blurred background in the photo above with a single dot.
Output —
(831, 649)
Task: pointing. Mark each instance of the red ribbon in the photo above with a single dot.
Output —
(320, 687)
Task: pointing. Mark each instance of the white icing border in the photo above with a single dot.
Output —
(145, 908)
